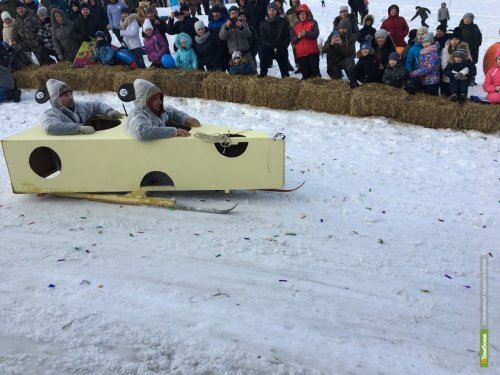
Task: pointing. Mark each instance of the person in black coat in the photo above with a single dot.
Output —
(383, 46)
(184, 24)
(99, 13)
(274, 41)
(367, 67)
(367, 29)
(210, 49)
(87, 24)
(256, 12)
(441, 37)
(156, 21)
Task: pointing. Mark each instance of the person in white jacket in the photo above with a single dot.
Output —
(67, 117)
(151, 119)
(129, 31)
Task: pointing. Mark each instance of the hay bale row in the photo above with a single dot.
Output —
(219, 86)
(334, 97)
(321, 95)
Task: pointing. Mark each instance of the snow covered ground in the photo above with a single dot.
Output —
(372, 267)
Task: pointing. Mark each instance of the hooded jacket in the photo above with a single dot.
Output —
(397, 26)
(492, 80)
(366, 29)
(429, 66)
(143, 124)
(65, 37)
(308, 44)
(156, 46)
(473, 36)
(186, 57)
(60, 120)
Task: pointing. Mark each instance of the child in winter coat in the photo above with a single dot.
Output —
(395, 74)
(428, 71)
(185, 57)
(8, 25)
(492, 81)
(104, 53)
(459, 70)
(239, 64)
(367, 29)
(155, 44)
(367, 68)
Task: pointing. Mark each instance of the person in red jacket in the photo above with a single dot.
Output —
(492, 81)
(305, 38)
(396, 26)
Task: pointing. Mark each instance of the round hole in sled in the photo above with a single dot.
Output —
(103, 123)
(156, 178)
(232, 151)
(45, 162)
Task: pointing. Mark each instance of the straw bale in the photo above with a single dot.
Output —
(126, 75)
(480, 117)
(429, 111)
(32, 76)
(374, 99)
(180, 82)
(272, 92)
(321, 95)
(224, 87)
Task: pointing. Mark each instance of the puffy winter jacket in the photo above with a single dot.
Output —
(186, 57)
(429, 66)
(66, 39)
(143, 124)
(60, 120)
(397, 26)
(492, 80)
(156, 46)
(308, 44)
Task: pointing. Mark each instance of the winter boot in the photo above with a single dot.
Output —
(463, 97)
(454, 97)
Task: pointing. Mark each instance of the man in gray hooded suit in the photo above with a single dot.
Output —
(151, 119)
(67, 117)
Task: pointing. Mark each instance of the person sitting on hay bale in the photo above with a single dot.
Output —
(383, 46)
(367, 67)
(151, 119)
(239, 64)
(340, 49)
(395, 73)
(104, 53)
(429, 69)
(492, 81)
(459, 70)
(67, 117)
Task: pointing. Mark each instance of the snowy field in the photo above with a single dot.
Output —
(372, 267)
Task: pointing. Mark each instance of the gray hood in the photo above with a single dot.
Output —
(53, 87)
(143, 91)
